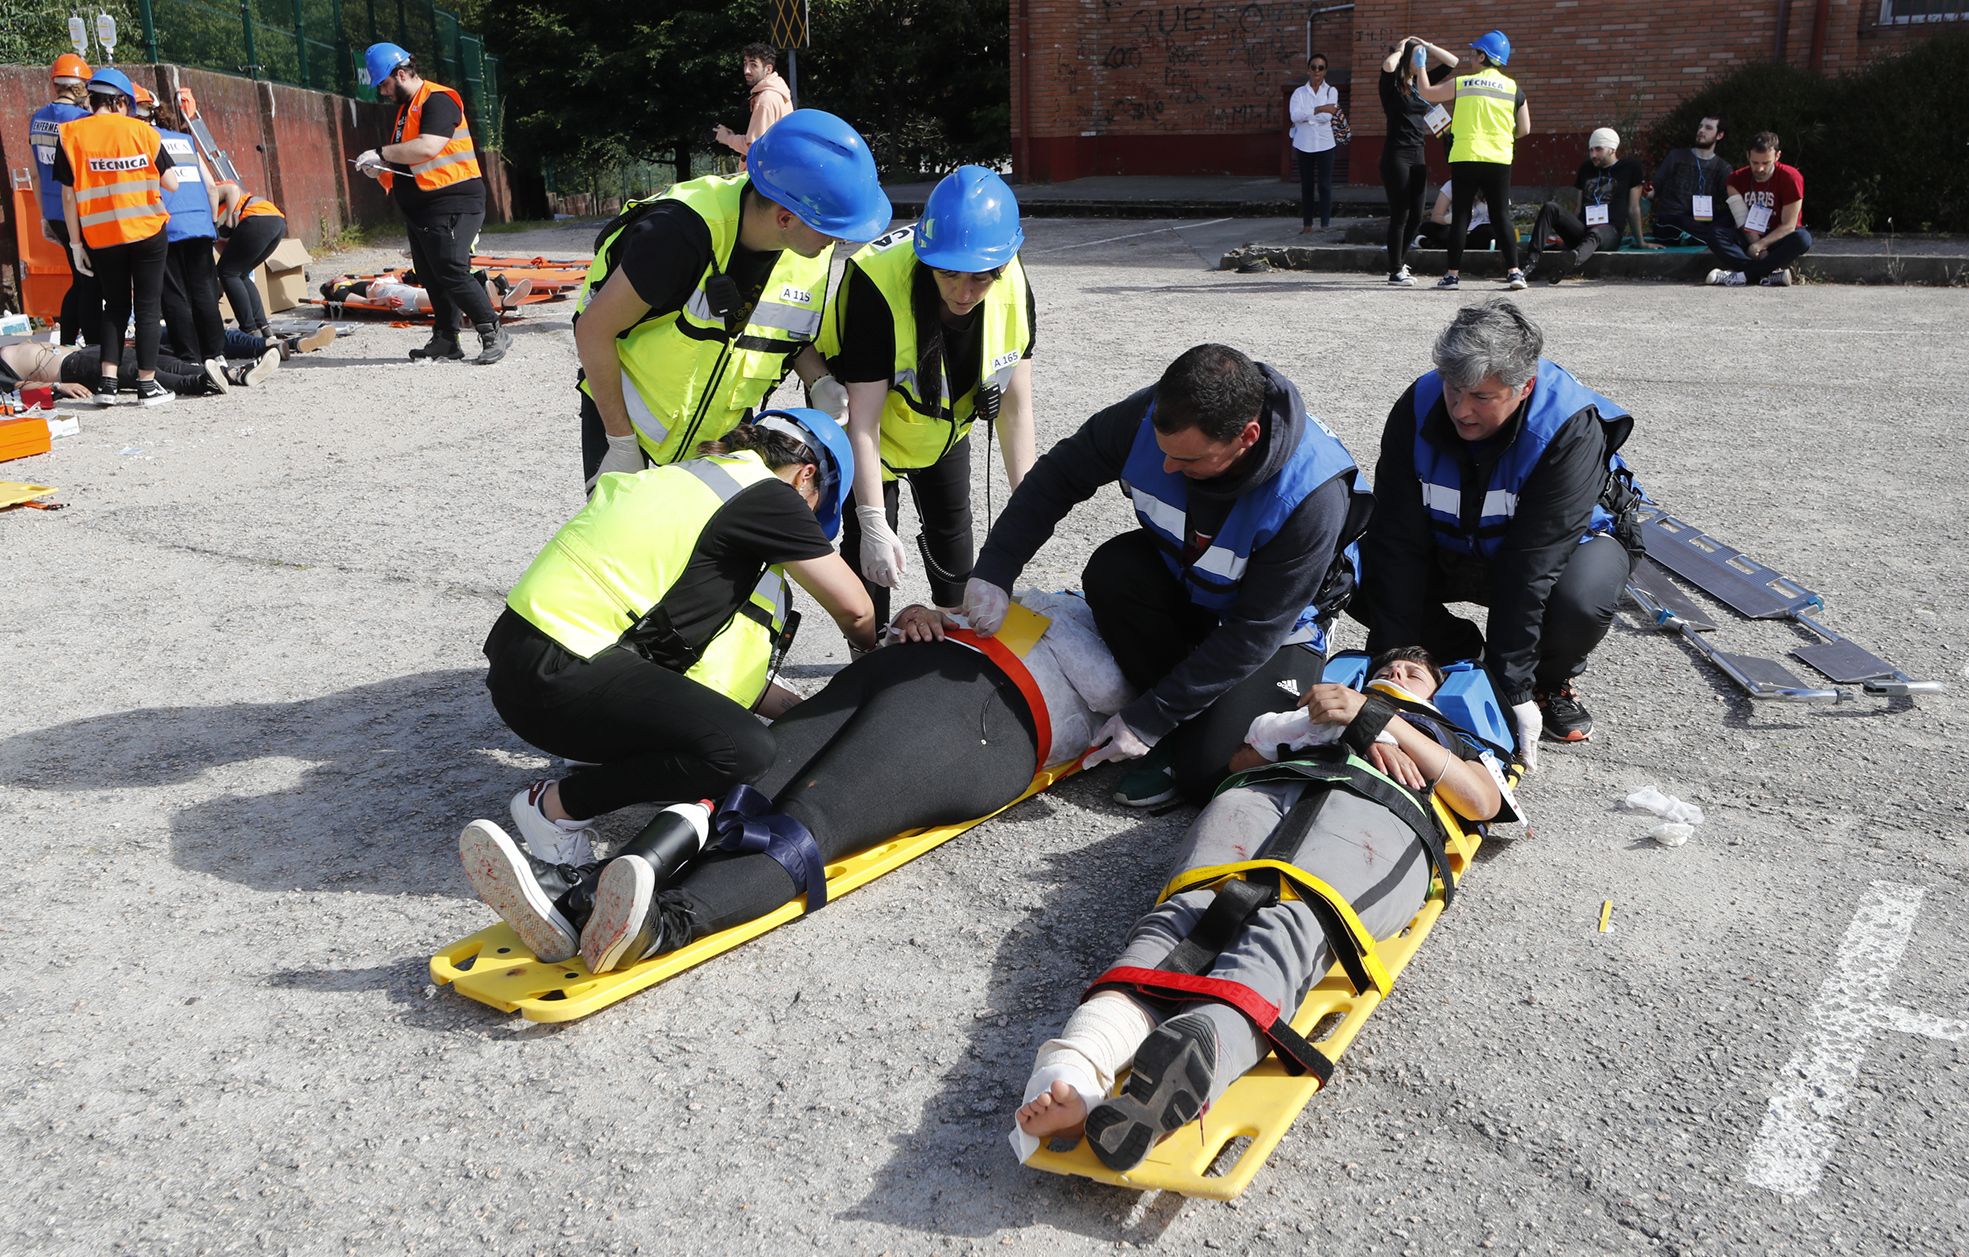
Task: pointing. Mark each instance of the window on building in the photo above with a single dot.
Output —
(1902, 12)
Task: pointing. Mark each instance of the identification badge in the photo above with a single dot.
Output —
(1703, 209)
(1596, 216)
(1437, 120)
(1758, 219)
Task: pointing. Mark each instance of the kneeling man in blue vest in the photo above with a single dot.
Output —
(1499, 483)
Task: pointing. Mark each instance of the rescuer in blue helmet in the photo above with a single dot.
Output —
(933, 333)
(1488, 115)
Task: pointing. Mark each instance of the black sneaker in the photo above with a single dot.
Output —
(632, 920)
(257, 371)
(440, 348)
(1166, 1090)
(105, 392)
(218, 376)
(546, 904)
(151, 393)
(1566, 718)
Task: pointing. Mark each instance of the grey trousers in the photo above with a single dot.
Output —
(1355, 846)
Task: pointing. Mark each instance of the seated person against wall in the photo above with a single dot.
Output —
(1766, 234)
(1609, 188)
(1312, 810)
(1435, 232)
(925, 731)
(27, 362)
(1691, 186)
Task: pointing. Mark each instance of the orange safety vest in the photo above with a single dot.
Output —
(454, 163)
(257, 205)
(118, 193)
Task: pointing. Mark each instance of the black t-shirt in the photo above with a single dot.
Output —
(1609, 187)
(868, 337)
(1407, 131)
(664, 253)
(441, 117)
(65, 173)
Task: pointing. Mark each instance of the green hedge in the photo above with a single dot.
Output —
(1890, 142)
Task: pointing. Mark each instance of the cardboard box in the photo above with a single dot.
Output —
(23, 438)
(285, 282)
(282, 280)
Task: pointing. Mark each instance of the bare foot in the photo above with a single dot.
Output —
(1058, 1112)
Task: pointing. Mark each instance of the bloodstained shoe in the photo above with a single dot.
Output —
(546, 904)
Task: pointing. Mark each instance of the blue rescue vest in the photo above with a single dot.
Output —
(1161, 500)
(44, 136)
(1557, 398)
(190, 210)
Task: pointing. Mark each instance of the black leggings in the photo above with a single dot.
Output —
(1148, 621)
(913, 735)
(943, 502)
(82, 304)
(132, 274)
(183, 377)
(650, 734)
(1406, 182)
(192, 322)
(251, 243)
(1493, 179)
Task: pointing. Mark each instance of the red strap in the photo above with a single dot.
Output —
(1015, 670)
(1261, 1012)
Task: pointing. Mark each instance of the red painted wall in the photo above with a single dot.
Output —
(1122, 87)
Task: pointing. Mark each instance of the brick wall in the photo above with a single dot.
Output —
(1113, 87)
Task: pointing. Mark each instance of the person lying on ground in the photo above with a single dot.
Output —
(26, 362)
(926, 731)
(1183, 1053)
(401, 291)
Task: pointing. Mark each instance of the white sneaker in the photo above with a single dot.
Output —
(547, 839)
(257, 372)
(1777, 279)
(1402, 279)
(215, 376)
(1716, 276)
(1515, 281)
(1735, 279)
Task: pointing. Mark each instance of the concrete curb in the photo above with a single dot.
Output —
(1824, 268)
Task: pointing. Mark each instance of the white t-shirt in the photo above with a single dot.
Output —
(1479, 212)
(1315, 135)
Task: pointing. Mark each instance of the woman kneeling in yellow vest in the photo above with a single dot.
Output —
(932, 332)
(641, 640)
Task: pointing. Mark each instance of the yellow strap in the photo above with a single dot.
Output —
(1295, 882)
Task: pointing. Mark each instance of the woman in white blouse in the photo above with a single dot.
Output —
(1313, 109)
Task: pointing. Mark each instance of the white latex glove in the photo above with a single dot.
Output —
(369, 161)
(881, 549)
(624, 454)
(1531, 725)
(830, 395)
(985, 605)
(80, 253)
(1115, 741)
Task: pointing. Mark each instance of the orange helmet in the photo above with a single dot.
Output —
(69, 68)
(144, 99)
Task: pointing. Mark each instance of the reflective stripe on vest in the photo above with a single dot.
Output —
(601, 581)
(454, 163)
(1468, 524)
(44, 136)
(1161, 501)
(1485, 124)
(916, 434)
(119, 196)
(686, 375)
(189, 207)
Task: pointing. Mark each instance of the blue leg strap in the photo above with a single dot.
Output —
(746, 824)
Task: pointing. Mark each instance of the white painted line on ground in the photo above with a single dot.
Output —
(1797, 1139)
(1133, 235)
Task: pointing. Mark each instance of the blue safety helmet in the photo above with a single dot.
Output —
(824, 435)
(112, 82)
(819, 167)
(970, 222)
(1495, 45)
(380, 62)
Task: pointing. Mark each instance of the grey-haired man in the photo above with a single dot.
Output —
(1498, 484)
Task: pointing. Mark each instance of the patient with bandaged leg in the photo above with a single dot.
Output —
(923, 732)
(1209, 976)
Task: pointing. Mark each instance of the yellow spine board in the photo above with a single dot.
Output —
(1262, 1105)
(495, 968)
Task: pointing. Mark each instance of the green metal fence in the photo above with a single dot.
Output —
(319, 43)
